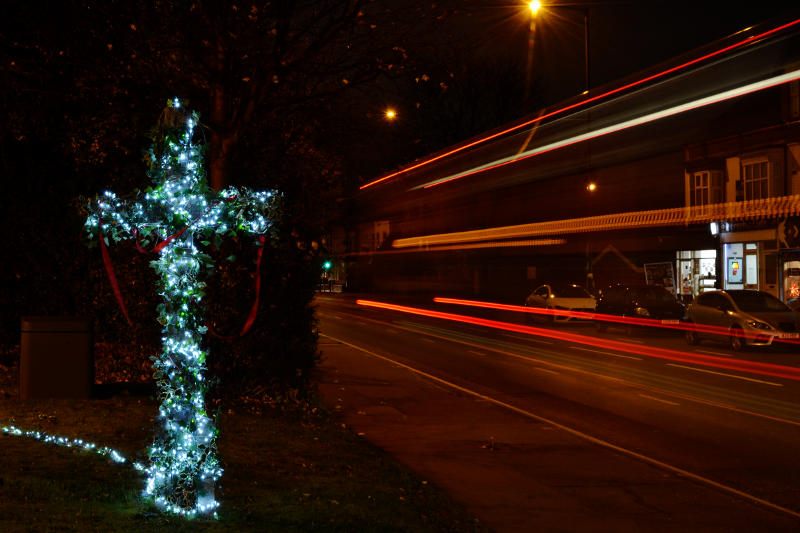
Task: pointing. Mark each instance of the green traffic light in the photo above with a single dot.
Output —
(327, 265)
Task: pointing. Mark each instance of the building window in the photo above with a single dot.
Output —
(707, 187)
(755, 177)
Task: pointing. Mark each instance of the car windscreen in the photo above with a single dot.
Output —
(570, 291)
(751, 302)
(655, 295)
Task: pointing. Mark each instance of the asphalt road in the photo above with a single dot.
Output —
(725, 422)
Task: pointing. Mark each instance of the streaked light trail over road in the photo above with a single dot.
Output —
(752, 367)
(776, 206)
(626, 320)
(586, 101)
(675, 110)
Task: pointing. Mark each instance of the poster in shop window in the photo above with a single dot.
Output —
(735, 270)
(661, 274)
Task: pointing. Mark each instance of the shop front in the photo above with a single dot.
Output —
(789, 240)
(750, 261)
(697, 272)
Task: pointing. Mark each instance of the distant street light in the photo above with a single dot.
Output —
(390, 114)
(591, 186)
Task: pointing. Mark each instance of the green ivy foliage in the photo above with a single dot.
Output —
(49, 270)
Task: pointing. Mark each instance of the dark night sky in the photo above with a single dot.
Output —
(625, 37)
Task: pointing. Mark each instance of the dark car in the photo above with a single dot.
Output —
(638, 301)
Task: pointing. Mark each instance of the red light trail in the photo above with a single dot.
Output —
(753, 367)
(720, 97)
(584, 102)
(627, 320)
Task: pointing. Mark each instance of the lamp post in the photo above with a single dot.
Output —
(586, 49)
(534, 8)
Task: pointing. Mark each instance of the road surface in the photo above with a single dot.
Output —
(584, 431)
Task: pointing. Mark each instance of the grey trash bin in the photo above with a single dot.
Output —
(56, 358)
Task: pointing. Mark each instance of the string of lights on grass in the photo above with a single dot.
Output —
(67, 442)
(172, 217)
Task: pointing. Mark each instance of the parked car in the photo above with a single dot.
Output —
(638, 301)
(744, 317)
(563, 297)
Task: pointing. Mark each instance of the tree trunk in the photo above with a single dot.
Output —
(218, 158)
(223, 131)
(223, 138)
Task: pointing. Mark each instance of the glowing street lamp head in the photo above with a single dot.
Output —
(390, 114)
(534, 6)
(591, 186)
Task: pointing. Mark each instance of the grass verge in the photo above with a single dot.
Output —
(285, 470)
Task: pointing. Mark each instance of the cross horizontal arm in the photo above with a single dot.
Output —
(118, 217)
(232, 210)
(243, 210)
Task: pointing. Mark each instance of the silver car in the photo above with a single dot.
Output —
(564, 298)
(744, 317)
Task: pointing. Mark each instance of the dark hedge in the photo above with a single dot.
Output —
(50, 269)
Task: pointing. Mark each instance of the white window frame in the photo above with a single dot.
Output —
(706, 187)
(756, 177)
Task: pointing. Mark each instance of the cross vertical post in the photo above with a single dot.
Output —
(174, 215)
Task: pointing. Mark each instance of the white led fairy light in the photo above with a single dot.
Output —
(180, 207)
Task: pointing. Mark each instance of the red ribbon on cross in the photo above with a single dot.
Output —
(110, 271)
(251, 317)
(112, 278)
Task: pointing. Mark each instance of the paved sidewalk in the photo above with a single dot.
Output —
(516, 474)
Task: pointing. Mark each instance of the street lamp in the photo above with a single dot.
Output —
(534, 8)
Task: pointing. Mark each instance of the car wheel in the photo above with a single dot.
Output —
(736, 339)
(691, 335)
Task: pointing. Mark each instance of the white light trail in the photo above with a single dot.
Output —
(682, 108)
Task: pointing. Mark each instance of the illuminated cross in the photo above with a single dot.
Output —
(176, 212)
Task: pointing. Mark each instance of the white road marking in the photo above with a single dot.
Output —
(601, 352)
(628, 339)
(573, 369)
(580, 434)
(525, 339)
(727, 375)
(658, 399)
(709, 352)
